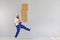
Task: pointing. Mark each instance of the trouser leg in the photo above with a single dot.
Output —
(18, 30)
(24, 27)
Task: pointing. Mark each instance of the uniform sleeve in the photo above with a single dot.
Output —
(16, 21)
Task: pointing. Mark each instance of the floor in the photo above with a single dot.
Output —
(41, 38)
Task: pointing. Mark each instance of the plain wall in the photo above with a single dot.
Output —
(43, 18)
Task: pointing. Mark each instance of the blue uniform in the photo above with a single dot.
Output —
(19, 27)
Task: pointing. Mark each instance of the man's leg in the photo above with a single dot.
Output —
(18, 30)
(22, 26)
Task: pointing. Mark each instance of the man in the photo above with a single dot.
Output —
(19, 25)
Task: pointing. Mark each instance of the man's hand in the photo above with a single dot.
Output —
(20, 21)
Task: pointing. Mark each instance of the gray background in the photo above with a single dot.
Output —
(43, 18)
